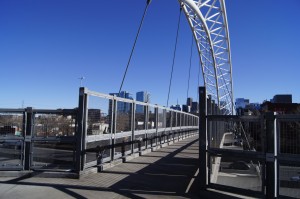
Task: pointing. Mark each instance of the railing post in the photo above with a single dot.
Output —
(140, 146)
(202, 139)
(271, 156)
(209, 105)
(114, 128)
(133, 108)
(176, 125)
(164, 126)
(123, 150)
(156, 125)
(28, 136)
(171, 125)
(212, 124)
(146, 125)
(180, 124)
(80, 131)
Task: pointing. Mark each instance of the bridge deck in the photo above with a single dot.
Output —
(165, 173)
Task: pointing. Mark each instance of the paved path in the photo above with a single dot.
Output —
(165, 173)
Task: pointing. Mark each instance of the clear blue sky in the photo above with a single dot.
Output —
(45, 46)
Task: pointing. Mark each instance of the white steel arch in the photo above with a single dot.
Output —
(208, 21)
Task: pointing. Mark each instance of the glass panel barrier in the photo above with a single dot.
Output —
(99, 151)
(178, 119)
(183, 120)
(54, 125)
(151, 139)
(151, 115)
(140, 117)
(11, 153)
(168, 118)
(173, 119)
(139, 140)
(121, 144)
(11, 124)
(289, 133)
(53, 155)
(161, 118)
(241, 135)
(289, 178)
(236, 172)
(99, 116)
(124, 110)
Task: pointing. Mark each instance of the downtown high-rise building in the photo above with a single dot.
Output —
(190, 106)
(241, 102)
(189, 101)
(123, 107)
(142, 96)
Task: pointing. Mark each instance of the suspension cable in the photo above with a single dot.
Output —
(136, 38)
(191, 56)
(174, 55)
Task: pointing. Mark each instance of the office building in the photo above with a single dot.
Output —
(194, 108)
(282, 99)
(142, 96)
(189, 101)
(123, 107)
(241, 103)
(176, 107)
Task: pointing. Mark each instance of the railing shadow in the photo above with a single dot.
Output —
(166, 176)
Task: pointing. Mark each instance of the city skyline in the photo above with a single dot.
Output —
(46, 46)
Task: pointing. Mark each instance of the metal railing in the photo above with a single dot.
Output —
(250, 155)
(102, 129)
(238, 153)
(12, 131)
(287, 131)
(37, 139)
(115, 127)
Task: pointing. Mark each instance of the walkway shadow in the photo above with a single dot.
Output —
(167, 177)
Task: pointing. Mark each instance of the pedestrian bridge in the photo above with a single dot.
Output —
(166, 172)
(103, 129)
(121, 147)
(109, 144)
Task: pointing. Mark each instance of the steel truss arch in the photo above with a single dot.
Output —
(208, 22)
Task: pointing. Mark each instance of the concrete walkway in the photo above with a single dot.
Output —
(166, 173)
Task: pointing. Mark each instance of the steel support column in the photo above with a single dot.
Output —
(80, 136)
(28, 136)
(203, 172)
(271, 157)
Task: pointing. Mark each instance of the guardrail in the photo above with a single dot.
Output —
(113, 127)
(250, 155)
(102, 129)
(37, 139)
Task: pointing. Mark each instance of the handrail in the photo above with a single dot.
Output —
(113, 97)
